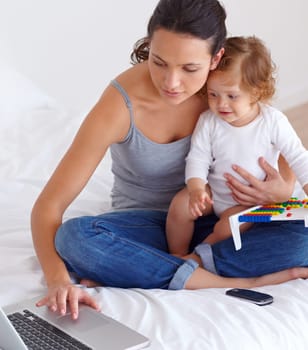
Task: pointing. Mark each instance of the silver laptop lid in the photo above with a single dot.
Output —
(9, 338)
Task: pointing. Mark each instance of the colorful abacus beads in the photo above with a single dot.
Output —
(262, 214)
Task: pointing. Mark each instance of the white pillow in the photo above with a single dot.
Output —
(35, 133)
(19, 94)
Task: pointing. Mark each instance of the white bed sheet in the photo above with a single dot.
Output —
(186, 320)
(30, 146)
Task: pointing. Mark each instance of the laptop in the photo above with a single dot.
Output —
(23, 324)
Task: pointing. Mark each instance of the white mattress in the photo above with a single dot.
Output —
(33, 136)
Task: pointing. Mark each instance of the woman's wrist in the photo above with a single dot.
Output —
(57, 277)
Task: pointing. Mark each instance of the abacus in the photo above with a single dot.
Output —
(293, 209)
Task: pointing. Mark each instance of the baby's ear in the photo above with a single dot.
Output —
(216, 58)
(255, 95)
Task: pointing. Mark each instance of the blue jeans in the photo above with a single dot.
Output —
(128, 249)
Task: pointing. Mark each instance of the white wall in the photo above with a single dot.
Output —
(72, 48)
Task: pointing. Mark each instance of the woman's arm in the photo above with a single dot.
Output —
(107, 123)
(277, 187)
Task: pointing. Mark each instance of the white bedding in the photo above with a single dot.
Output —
(32, 139)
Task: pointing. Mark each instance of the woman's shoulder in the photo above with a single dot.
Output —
(133, 72)
(136, 81)
(111, 111)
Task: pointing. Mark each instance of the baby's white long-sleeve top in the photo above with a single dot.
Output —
(216, 146)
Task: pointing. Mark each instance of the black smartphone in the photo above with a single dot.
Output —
(251, 295)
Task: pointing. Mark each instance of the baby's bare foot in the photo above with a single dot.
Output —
(193, 256)
(89, 283)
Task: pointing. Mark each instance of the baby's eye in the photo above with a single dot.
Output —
(212, 94)
(232, 97)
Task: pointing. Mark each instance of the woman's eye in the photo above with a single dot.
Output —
(159, 64)
(190, 70)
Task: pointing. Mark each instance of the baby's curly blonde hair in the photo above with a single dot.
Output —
(256, 65)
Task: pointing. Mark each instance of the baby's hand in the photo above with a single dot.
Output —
(197, 202)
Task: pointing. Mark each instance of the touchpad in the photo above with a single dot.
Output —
(87, 320)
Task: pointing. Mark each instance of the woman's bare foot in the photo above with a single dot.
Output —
(89, 283)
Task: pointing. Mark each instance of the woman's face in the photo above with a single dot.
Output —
(179, 64)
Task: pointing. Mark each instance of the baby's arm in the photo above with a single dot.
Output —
(200, 202)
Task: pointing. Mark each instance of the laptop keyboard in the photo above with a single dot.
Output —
(39, 334)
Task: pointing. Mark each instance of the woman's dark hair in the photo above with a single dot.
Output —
(204, 19)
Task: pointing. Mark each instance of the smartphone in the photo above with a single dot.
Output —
(251, 295)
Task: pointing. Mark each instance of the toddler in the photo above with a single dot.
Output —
(239, 128)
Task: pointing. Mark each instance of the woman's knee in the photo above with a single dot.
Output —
(292, 244)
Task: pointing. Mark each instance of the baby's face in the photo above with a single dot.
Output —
(228, 100)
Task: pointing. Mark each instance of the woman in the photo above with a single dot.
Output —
(146, 117)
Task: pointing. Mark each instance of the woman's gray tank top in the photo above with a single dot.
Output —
(146, 174)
